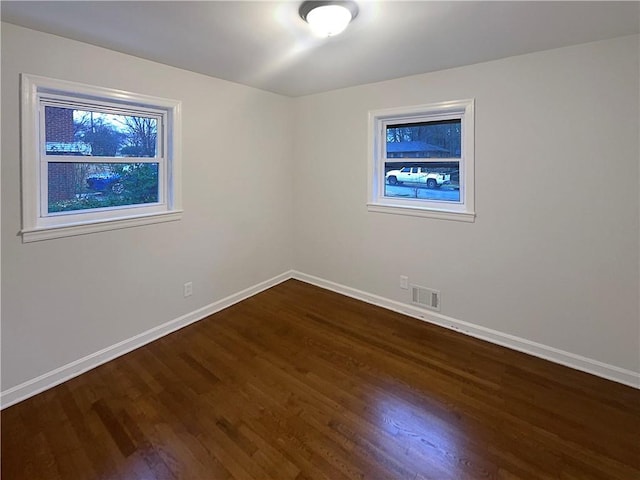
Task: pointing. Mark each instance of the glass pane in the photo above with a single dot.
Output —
(81, 132)
(423, 180)
(425, 139)
(82, 186)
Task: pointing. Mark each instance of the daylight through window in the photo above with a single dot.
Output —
(94, 156)
(421, 161)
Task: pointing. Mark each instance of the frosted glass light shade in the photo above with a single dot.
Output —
(329, 20)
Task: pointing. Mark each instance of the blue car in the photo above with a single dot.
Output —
(105, 182)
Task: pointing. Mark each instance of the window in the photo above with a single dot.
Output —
(421, 161)
(96, 159)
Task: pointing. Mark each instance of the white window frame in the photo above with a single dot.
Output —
(464, 210)
(37, 223)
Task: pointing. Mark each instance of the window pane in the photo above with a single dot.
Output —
(438, 181)
(82, 186)
(81, 132)
(424, 140)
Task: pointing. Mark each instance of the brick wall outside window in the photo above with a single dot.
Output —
(59, 128)
(59, 125)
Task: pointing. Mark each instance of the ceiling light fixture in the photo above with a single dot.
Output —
(327, 18)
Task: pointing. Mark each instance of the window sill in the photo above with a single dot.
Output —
(59, 231)
(468, 217)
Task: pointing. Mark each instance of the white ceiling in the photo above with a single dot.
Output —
(266, 44)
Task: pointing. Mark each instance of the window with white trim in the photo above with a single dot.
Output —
(421, 160)
(96, 159)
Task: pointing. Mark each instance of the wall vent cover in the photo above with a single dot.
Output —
(425, 297)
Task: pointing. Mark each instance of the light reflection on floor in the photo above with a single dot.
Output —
(432, 446)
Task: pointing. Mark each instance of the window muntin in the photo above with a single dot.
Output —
(421, 160)
(96, 156)
(105, 138)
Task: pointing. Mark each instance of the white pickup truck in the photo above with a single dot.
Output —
(417, 175)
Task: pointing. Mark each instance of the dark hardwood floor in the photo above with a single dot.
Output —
(301, 383)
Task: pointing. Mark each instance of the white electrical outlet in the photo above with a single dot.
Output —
(404, 282)
(188, 289)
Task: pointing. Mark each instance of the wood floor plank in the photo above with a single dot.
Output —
(300, 383)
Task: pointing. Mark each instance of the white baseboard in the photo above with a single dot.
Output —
(578, 362)
(66, 372)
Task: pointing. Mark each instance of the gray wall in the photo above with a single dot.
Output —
(553, 254)
(66, 298)
(272, 183)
